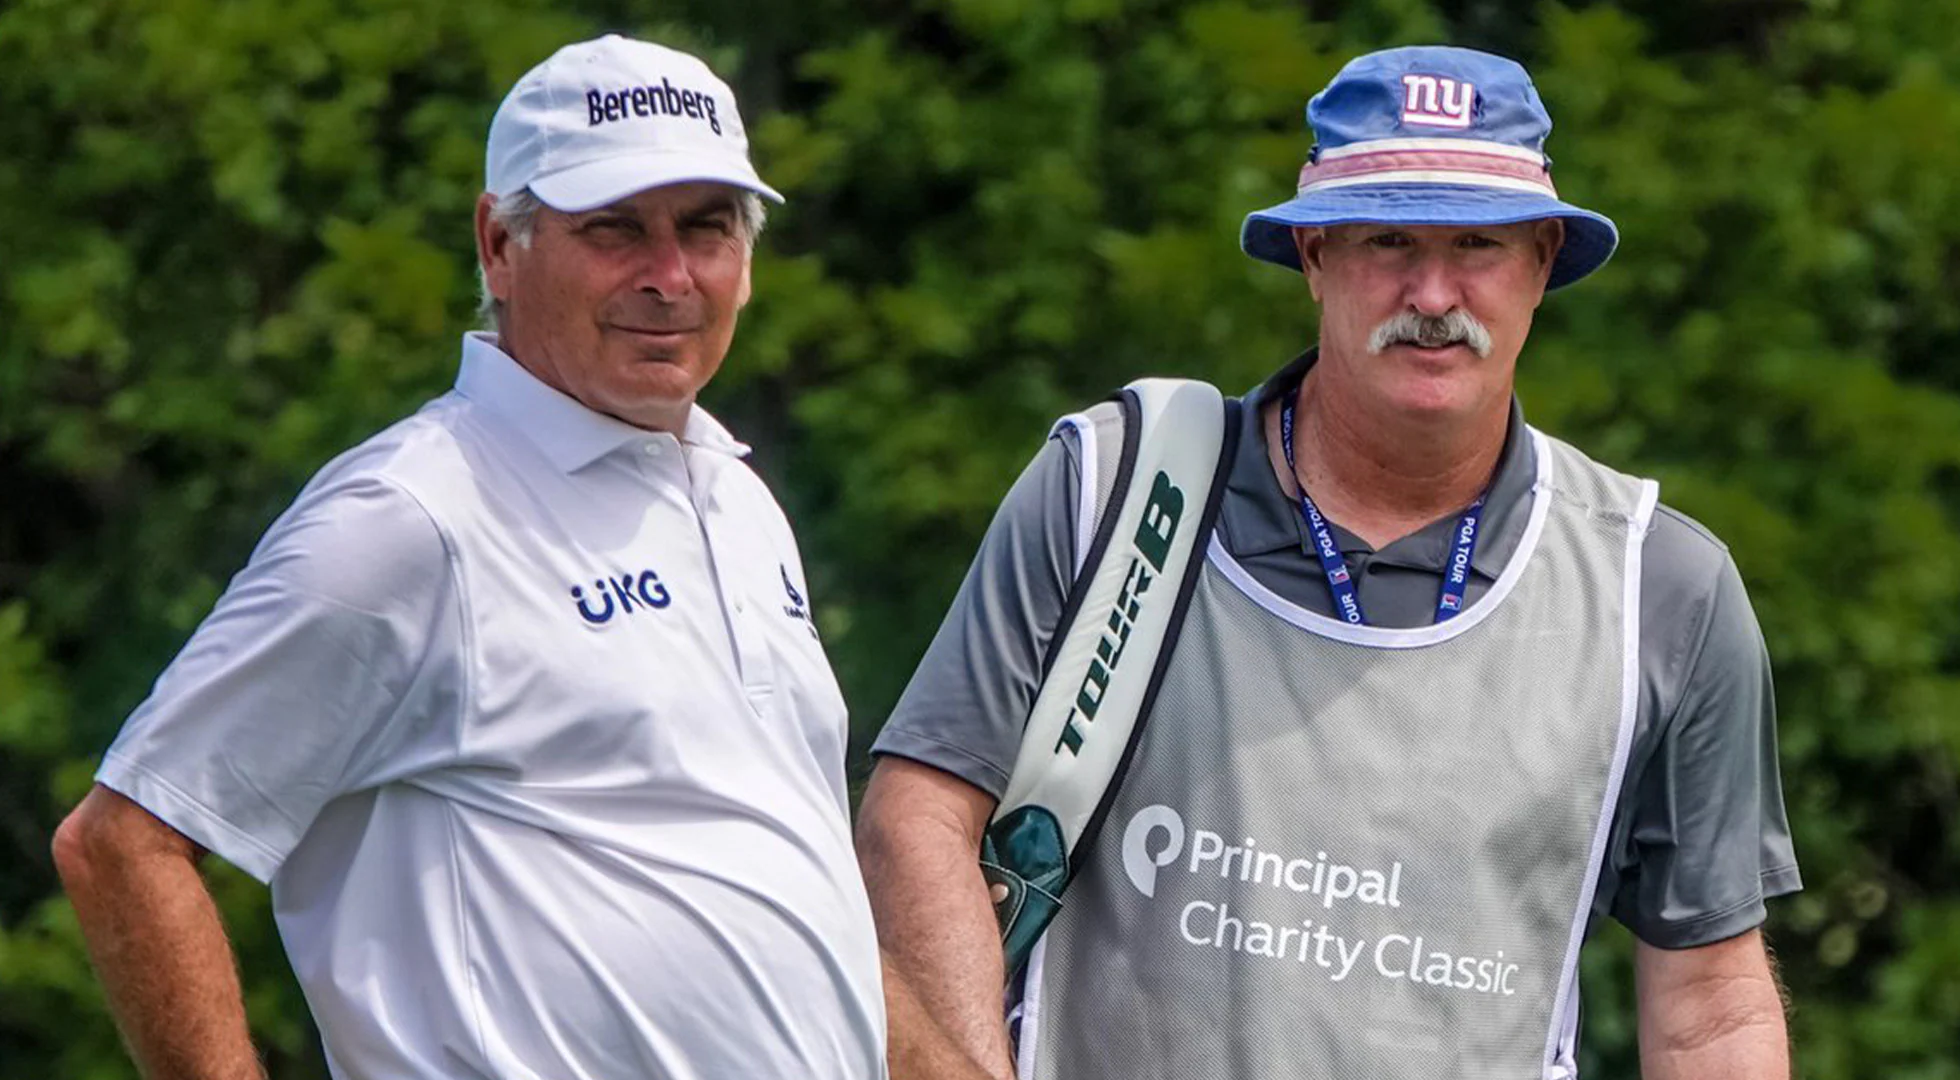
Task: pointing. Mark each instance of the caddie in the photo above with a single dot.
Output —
(519, 708)
(1444, 691)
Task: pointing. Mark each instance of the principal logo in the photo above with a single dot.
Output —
(1139, 861)
(1437, 101)
(1155, 838)
(1312, 913)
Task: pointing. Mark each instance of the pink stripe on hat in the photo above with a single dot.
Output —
(1474, 167)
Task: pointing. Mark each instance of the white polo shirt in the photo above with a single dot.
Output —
(521, 712)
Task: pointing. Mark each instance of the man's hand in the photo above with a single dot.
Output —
(156, 941)
(1712, 1012)
(918, 841)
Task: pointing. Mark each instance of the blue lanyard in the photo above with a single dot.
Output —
(1347, 601)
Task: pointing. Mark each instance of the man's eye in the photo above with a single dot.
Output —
(713, 223)
(1475, 240)
(611, 226)
(1388, 240)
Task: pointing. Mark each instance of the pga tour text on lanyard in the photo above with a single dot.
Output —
(1347, 601)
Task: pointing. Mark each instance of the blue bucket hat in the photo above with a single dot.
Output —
(1430, 135)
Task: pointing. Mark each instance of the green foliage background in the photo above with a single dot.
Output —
(234, 239)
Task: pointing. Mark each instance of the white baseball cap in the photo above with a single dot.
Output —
(605, 119)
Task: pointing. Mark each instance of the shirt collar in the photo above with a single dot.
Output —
(1258, 516)
(570, 435)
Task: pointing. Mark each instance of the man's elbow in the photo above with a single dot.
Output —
(872, 830)
(108, 837)
(913, 812)
(75, 842)
(888, 847)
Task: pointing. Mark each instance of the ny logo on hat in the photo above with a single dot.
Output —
(1437, 101)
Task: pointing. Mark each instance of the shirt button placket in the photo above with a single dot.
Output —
(746, 638)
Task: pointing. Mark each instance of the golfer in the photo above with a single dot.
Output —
(520, 708)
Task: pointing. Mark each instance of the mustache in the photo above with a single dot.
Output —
(1455, 326)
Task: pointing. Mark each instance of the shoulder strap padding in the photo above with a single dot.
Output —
(1153, 464)
(1119, 612)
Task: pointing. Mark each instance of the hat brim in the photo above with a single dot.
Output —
(1589, 237)
(592, 184)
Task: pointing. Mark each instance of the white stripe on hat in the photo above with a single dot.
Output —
(1455, 146)
(1462, 177)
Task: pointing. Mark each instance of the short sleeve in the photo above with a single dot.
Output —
(969, 698)
(1708, 840)
(309, 680)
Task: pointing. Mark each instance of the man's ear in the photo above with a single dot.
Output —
(1309, 242)
(493, 244)
(1548, 238)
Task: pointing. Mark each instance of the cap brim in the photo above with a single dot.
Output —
(1589, 237)
(593, 184)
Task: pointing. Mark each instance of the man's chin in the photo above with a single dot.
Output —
(1437, 389)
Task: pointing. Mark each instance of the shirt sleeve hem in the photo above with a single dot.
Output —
(1703, 929)
(943, 756)
(189, 817)
(1781, 881)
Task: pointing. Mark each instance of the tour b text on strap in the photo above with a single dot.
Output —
(1104, 665)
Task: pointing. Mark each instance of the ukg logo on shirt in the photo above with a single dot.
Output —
(1138, 860)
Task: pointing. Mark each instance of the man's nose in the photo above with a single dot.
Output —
(1432, 288)
(663, 267)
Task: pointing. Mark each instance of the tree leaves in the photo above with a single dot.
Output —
(234, 239)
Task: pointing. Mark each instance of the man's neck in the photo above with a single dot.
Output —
(1382, 474)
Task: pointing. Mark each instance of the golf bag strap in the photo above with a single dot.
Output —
(1107, 658)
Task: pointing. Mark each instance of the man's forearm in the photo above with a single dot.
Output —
(1711, 1013)
(1743, 1045)
(919, 1048)
(159, 948)
(935, 924)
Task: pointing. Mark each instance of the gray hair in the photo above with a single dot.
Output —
(518, 214)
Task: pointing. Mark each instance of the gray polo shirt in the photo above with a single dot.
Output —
(1699, 837)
